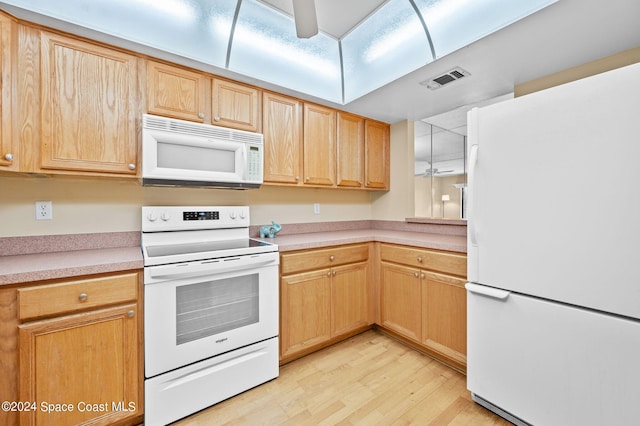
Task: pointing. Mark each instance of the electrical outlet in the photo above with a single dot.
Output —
(316, 208)
(44, 210)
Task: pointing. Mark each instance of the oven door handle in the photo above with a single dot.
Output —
(207, 267)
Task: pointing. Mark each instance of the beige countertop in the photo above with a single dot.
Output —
(23, 268)
(39, 258)
(325, 239)
(30, 259)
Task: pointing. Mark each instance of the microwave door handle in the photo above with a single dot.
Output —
(206, 267)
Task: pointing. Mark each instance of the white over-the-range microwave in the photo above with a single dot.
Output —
(182, 153)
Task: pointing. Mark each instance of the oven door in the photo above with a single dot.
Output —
(197, 310)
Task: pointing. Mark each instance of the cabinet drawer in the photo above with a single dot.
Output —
(450, 263)
(323, 258)
(52, 299)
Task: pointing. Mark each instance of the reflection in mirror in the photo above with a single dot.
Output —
(440, 172)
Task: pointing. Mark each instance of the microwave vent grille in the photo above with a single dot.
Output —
(205, 130)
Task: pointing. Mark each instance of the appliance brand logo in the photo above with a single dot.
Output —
(222, 340)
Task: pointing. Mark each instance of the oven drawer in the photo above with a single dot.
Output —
(449, 263)
(76, 295)
(323, 258)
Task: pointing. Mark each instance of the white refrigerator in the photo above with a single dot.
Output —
(553, 299)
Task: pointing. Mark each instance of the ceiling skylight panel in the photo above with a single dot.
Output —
(182, 27)
(389, 44)
(265, 46)
(453, 24)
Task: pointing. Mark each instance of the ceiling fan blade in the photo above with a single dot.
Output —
(304, 13)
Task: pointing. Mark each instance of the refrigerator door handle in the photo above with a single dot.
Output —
(493, 293)
(473, 161)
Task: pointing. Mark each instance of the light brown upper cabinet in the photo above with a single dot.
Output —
(236, 105)
(377, 154)
(319, 153)
(282, 129)
(177, 92)
(350, 147)
(8, 147)
(88, 98)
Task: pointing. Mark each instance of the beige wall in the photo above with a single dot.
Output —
(90, 206)
(398, 203)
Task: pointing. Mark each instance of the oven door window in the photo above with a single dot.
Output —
(213, 307)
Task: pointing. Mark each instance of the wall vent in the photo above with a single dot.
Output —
(446, 78)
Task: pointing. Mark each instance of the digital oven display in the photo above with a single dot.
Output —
(201, 215)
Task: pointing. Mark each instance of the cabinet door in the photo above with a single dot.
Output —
(176, 92)
(350, 148)
(88, 113)
(350, 298)
(377, 151)
(400, 302)
(282, 129)
(319, 145)
(444, 315)
(89, 361)
(236, 105)
(8, 150)
(305, 311)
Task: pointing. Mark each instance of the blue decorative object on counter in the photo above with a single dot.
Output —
(270, 231)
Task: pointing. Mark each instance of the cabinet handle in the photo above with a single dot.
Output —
(334, 273)
(297, 178)
(307, 179)
(422, 276)
(131, 313)
(201, 115)
(8, 157)
(216, 118)
(415, 274)
(329, 273)
(132, 166)
(419, 259)
(331, 258)
(83, 297)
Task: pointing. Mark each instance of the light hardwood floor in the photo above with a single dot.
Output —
(368, 379)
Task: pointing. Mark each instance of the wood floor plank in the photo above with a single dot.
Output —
(369, 379)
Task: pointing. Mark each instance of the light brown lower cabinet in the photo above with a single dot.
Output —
(79, 357)
(321, 303)
(423, 300)
(328, 294)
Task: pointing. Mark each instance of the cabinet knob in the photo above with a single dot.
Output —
(216, 118)
(83, 297)
(329, 273)
(131, 166)
(201, 115)
(8, 157)
(331, 258)
(297, 178)
(334, 273)
(419, 259)
(422, 276)
(131, 313)
(307, 179)
(415, 274)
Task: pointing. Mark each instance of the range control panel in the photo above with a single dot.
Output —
(203, 215)
(184, 218)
